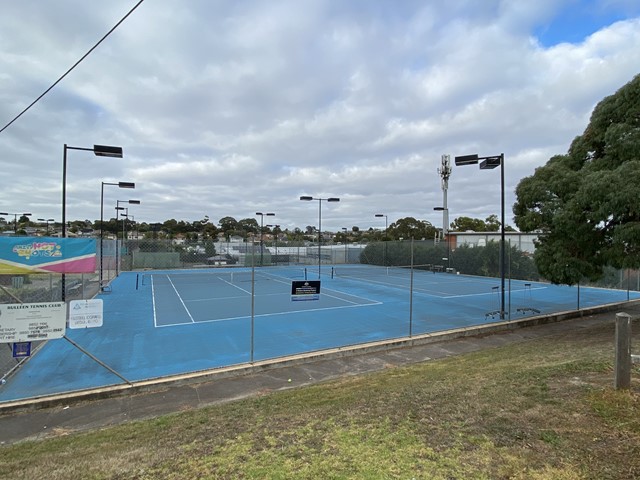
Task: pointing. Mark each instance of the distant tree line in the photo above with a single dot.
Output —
(227, 227)
(466, 259)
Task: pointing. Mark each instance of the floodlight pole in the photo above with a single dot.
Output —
(346, 244)
(330, 199)
(384, 240)
(118, 208)
(98, 151)
(47, 220)
(119, 185)
(275, 227)
(271, 214)
(445, 230)
(489, 163)
(15, 219)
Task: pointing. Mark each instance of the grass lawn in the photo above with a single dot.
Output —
(539, 409)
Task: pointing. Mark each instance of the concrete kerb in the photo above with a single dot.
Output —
(164, 383)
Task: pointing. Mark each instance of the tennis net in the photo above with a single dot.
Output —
(219, 276)
(376, 271)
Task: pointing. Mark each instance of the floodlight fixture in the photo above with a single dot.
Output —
(107, 151)
(466, 159)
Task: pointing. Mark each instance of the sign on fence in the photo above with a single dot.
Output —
(28, 322)
(85, 313)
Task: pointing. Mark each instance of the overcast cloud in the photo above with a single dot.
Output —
(227, 108)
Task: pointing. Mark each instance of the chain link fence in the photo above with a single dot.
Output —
(399, 258)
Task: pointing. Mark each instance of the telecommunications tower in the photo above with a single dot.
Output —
(445, 172)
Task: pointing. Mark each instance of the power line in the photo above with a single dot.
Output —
(74, 66)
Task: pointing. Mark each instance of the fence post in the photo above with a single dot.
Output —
(623, 351)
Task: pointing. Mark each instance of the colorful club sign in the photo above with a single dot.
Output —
(21, 255)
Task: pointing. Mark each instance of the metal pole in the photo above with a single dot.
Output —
(411, 294)
(386, 239)
(261, 238)
(64, 212)
(319, 234)
(100, 276)
(253, 297)
(502, 242)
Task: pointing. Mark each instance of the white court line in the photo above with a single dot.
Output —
(323, 292)
(437, 294)
(213, 320)
(181, 301)
(489, 293)
(153, 302)
(234, 285)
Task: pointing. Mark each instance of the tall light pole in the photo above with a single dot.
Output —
(384, 244)
(330, 199)
(119, 185)
(98, 151)
(118, 208)
(445, 230)
(275, 229)
(489, 163)
(15, 219)
(346, 244)
(47, 220)
(262, 215)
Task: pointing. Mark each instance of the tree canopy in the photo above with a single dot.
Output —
(463, 224)
(586, 203)
(409, 227)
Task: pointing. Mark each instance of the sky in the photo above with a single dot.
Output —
(228, 108)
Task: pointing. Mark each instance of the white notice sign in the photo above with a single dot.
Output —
(85, 313)
(30, 322)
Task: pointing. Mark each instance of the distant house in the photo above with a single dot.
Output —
(523, 241)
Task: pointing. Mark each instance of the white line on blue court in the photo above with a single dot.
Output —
(234, 285)
(246, 317)
(153, 303)
(487, 293)
(180, 298)
(348, 295)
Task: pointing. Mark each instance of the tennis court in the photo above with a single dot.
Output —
(164, 323)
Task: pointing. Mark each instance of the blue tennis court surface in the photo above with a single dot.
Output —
(164, 323)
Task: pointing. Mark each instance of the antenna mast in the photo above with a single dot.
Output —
(445, 172)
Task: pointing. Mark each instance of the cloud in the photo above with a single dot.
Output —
(227, 108)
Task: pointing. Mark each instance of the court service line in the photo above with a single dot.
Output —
(350, 295)
(181, 301)
(234, 285)
(261, 295)
(246, 317)
(489, 293)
